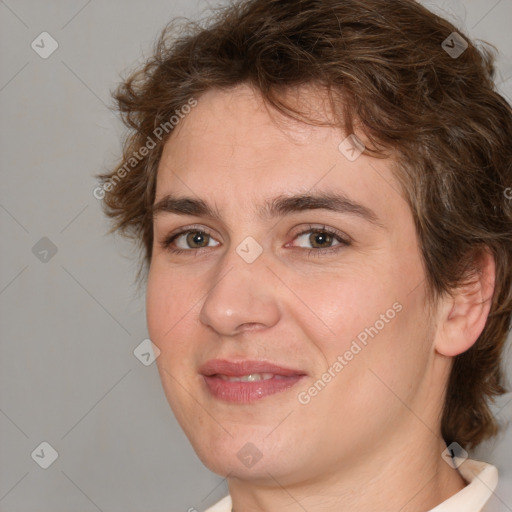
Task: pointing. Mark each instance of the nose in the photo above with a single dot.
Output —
(243, 298)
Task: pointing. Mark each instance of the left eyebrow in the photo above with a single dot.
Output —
(338, 203)
(276, 207)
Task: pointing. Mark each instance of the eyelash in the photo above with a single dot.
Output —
(343, 242)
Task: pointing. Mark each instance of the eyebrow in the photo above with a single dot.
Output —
(275, 207)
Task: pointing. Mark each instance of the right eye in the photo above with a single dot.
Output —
(188, 240)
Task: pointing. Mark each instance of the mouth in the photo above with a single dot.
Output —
(247, 381)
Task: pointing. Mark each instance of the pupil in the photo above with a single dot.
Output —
(321, 238)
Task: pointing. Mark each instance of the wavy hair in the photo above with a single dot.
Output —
(385, 66)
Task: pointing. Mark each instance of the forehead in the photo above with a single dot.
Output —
(237, 152)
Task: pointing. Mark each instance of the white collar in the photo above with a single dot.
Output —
(482, 479)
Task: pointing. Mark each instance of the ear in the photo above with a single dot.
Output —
(463, 314)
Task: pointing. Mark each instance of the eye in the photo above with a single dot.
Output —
(318, 239)
(321, 240)
(187, 240)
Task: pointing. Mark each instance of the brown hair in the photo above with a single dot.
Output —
(385, 68)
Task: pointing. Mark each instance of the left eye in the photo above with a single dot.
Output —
(319, 239)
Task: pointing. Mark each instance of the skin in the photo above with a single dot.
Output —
(370, 440)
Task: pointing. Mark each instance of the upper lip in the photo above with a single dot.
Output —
(244, 367)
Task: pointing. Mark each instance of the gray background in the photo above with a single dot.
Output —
(69, 325)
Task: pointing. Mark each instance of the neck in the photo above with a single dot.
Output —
(399, 477)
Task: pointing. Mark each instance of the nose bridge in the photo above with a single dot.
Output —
(241, 294)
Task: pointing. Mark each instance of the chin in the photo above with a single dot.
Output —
(249, 457)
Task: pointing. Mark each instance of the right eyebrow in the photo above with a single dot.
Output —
(184, 206)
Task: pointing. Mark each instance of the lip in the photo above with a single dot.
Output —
(245, 367)
(247, 392)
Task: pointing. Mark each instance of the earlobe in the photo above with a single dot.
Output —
(463, 315)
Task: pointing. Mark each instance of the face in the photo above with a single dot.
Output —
(327, 287)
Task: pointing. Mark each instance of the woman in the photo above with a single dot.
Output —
(319, 191)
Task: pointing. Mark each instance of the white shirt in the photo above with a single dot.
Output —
(481, 478)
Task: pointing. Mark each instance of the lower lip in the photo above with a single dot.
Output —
(247, 392)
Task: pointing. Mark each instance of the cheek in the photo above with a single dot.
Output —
(169, 313)
(167, 303)
(156, 299)
(335, 307)
(173, 301)
(371, 304)
(382, 363)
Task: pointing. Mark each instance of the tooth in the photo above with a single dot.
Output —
(252, 377)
